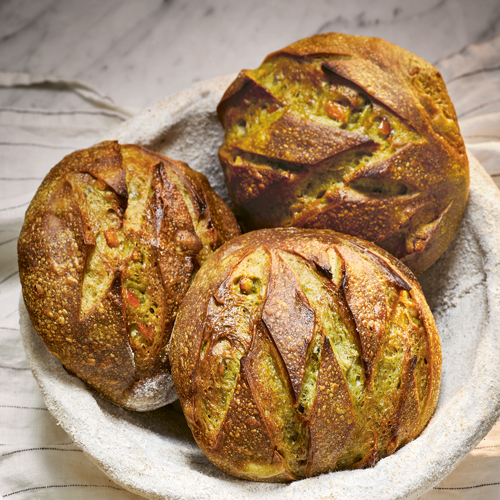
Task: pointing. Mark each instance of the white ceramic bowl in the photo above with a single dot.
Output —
(154, 454)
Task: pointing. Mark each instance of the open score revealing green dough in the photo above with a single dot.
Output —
(298, 352)
(347, 133)
(109, 246)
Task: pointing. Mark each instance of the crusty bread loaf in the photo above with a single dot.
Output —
(348, 133)
(297, 352)
(108, 249)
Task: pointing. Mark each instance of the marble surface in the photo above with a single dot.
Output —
(140, 51)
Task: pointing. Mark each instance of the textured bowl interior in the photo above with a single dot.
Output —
(153, 454)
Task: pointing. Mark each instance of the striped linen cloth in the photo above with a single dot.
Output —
(37, 458)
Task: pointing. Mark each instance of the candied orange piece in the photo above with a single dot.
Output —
(132, 298)
(111, 237)
(146, 331)
(336, 111)
(385, 126)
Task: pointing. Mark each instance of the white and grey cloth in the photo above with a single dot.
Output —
(37, 458)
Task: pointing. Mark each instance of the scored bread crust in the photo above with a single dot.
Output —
(348, 133)
(298, 351)
(109, 246)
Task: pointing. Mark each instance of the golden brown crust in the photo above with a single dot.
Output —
(348, 133)
(333, 420)
(289, 320)
(107, 251)
(297, 352)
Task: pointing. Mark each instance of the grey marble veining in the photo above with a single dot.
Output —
(140, 51)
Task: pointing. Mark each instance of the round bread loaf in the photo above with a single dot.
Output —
(299, 351)
(108, 249)
(347, 133)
